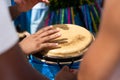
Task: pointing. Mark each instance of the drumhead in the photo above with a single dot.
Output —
(74, 40)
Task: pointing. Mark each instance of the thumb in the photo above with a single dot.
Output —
(27, 34)
(65, 68)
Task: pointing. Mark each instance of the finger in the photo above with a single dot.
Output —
(65, 68)
(27, 34)
(49, 32)
(18, 1)
(48, 45)
(74, 71)
(44, 29)
(46, 1)
(51, 37)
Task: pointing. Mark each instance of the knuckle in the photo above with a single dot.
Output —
(48, 37)
(47, 44)
(55, 35)
(43, 29)
(47, 32)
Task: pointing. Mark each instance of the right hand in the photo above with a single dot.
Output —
(40, 40)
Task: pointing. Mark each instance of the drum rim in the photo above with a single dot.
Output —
(57, 63)
(49, 60)
(38, 55)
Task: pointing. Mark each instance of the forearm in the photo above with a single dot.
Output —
(101, 58)
(14, 12)
(13, 66)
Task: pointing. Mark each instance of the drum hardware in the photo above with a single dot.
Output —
(71, 63)
(61, 65)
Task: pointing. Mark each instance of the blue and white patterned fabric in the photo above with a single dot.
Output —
(37, 18)
(49, 70)
(31, 20)
(24, 20)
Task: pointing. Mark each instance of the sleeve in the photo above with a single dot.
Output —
(8, 35)
(8, 2)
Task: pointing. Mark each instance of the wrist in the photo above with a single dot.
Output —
(22, 47)
(14, 11)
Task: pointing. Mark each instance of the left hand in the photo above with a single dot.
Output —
(66, 74)
(25, 5)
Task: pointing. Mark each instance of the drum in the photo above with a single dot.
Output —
(73, 43)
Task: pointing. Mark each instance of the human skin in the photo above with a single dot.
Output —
(103, 56)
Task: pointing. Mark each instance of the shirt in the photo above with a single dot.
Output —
(40, 5)
(8, 36)
(8, 2)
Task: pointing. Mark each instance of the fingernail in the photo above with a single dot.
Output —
(56, 44)
(57, 29)
(71, 70)
(59, 34)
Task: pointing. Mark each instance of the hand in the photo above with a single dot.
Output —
(66, 74)
(25, 5)
(40, 40)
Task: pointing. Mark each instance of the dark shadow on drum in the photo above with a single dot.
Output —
(60, 41)
(62, 26)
